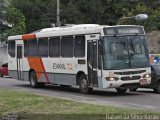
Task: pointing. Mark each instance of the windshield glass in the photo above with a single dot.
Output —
(125, 52)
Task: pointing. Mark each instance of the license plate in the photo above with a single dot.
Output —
(143, 81)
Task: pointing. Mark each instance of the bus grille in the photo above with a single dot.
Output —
(130, 72)
(130, 78)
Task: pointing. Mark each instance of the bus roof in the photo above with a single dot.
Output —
(64, 31)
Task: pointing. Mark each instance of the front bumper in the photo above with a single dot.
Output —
(126, 84)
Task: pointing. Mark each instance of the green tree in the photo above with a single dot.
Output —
(38, 13)
(16, 19)
(153, 4)
(140, 8)
(1, 9)
(42, 13)
(114, 10)
(70, 14)
(155, 19)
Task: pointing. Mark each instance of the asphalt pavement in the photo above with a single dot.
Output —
(142, 99)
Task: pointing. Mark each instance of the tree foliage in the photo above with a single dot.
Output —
(1, 9)
(152, 23)
(16, 19)
(39, 13)
(42, 13)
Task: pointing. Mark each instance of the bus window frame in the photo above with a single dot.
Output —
(37, 55)
(46, 39)
(72, 47)
(12, 55)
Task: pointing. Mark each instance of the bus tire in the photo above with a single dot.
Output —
(41, 85)
(84, 84)
(33, 80)
(121, 90)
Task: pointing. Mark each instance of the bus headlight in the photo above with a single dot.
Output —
(147, 76)
(111, 78)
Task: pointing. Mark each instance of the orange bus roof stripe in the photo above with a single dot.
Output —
(28, 36)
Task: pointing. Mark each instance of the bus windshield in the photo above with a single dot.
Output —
(125, 52)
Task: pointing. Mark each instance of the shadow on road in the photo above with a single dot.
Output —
(74, 90)
(146, 91)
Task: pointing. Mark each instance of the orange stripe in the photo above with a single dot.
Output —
(37, 65)
(28, 36)
(45, 71)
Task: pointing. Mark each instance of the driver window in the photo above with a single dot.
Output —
(117, 48)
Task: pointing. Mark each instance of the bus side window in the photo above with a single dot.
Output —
(67, 46)
(43, 47)
(79, 49)
(54, 47)
(11, 48)
(25, 48)
(32, 48)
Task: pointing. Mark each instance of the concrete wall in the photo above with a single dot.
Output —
(154, 42)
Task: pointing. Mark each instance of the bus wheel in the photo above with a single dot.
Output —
(41, 85)
(33, 80)
(121, 90)
(83, 85)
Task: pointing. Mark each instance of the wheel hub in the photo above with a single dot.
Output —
(83, 83)
(32, 81)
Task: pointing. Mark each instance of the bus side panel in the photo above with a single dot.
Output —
(50, 68)
(100, 80)
(26, 69)
(69, 73)
(65, 79)
(60, 71)
(26, 76)
(12, 67)
(12, 73)
(12, 63)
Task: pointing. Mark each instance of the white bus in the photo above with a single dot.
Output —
(87, 55)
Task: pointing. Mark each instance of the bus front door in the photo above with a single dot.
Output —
(19, 62)
(92, 62)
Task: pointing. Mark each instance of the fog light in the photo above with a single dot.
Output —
(111, 78)
(146, 76)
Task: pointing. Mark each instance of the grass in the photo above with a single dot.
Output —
(35, 107)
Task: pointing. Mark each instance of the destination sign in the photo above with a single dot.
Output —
(125, 30)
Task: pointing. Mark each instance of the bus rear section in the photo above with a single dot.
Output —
(88, 56)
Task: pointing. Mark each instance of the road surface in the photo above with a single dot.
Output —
(143, 99)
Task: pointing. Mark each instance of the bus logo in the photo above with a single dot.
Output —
(62, 66)
(69, 66)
